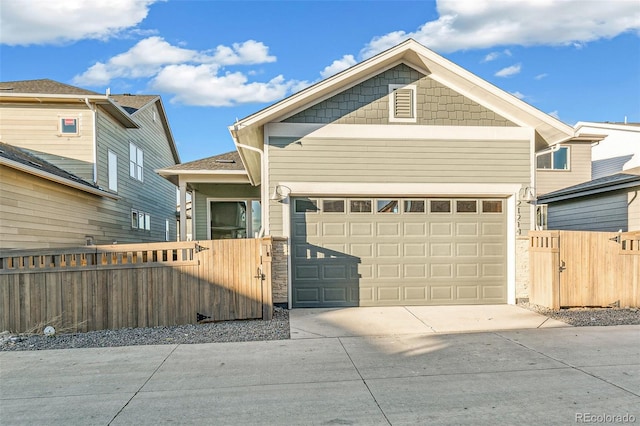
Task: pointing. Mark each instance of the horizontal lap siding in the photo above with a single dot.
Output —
(580, 171)
(601, 213)
(36, 128)
(397, 161)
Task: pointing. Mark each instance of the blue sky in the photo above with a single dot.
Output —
(215, 61)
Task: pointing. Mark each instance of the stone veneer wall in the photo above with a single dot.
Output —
(279, 269)
(522, 268)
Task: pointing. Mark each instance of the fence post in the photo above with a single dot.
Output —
(265, 261)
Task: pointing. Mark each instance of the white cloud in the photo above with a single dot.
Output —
(192, 76)
(491, 57)
(540, 76)
(518, 95)
(338, 65)
(202, 86)
(509, 71)
(487, 23)
(554, 114)
(60, 21)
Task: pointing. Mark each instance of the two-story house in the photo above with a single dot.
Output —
(403, 180)
(78, 167)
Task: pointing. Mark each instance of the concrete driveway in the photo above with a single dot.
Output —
(536, 376)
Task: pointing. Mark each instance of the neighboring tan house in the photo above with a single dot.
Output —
(108, 145)
(609, 203)
(403, 180)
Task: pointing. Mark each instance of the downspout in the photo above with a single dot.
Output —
(95, 140)
(263, 200)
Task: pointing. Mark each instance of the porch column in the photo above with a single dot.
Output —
(183, 210)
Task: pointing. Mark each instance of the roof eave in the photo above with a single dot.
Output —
(58, 179)
(599, 189)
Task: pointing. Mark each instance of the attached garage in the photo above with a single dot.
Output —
(355, 251)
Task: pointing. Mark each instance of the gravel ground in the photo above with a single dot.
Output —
(243, 331)
(581, 317)
(225, 331)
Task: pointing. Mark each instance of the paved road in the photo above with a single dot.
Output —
(534, 376)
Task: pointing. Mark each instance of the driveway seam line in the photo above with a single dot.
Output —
(415, 316)
(143, 385)
(574, 367)
(364, 382)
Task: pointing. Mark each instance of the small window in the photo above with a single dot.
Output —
(402, 103)
(541, 217)
(414, 206)
(112, 167)
(134, 219)
(387, 206)
(333, 206)
(69, 126)
(491, 206)
(136, 162)
(440, 206)
(306, 206)
(554, 160)
(466, 206)
(140, 220)
(360, 206)
(166, 229)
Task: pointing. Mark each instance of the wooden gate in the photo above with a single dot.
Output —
(135, 285)
(578, 268)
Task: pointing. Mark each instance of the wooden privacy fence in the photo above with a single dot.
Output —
(579, 268)
(135, 285)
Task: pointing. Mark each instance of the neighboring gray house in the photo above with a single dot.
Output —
(403, 180)
(610, 203)
(78, 167)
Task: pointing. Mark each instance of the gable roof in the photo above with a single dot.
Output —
(122, 107)
(136, 103)
(54, 91)
(627, 179)
(25, 161)
(248, 133)
(218, 168)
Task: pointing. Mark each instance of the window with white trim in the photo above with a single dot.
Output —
(541, 217)
(140, 220)
(112, 167)
(555, 159)
(136, 160)
(68, 125)
(402, 103)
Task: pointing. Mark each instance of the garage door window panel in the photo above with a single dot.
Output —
(414, 206)
(466, 206)
(491, 206)
(303, 206)
(387, 206)
(440, 206)
(360, 206)
(333, 206)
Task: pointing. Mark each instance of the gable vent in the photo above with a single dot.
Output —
(403, 103)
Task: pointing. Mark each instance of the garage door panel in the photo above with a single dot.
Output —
(467, 270)
(467, 229)
(418, 258)
(414, 230)
(334, 230)
(387, 229)
(388, 250)
(441, 270)
(361, 229)
(441, 229)
(415, 250)
(415, 271)
(467, 249)
(440, 249)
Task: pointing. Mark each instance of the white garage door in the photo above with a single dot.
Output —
(393, 251)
